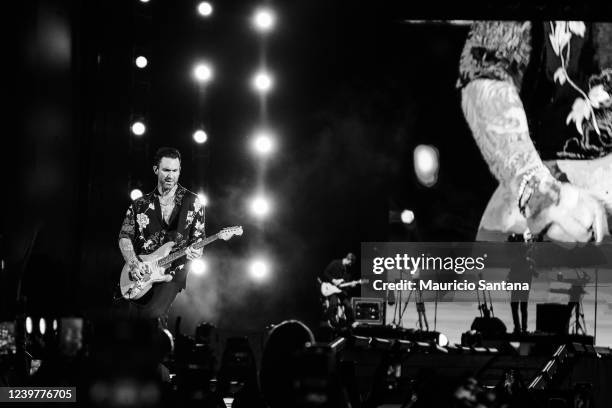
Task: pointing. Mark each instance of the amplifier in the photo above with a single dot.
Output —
(552, 318)
(369, 310)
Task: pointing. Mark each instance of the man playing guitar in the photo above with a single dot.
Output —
(337, 273)
(169, 214)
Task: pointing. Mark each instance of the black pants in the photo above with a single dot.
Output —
(515, 316)
(334, 301)
(155, 304)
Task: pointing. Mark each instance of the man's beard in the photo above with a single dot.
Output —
(168, 185)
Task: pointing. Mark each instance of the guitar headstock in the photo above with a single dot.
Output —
(226, 233)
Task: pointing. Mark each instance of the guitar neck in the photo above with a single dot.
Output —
(180, 253)
(342, 285)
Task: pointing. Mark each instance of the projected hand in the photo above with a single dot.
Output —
(576, 217)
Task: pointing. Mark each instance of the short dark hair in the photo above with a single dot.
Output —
(162, 152)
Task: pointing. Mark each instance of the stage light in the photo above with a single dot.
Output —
(203, 199)
(54, 325)
(29, 325)
(426, 164)
(202, 72)
(135, 194)
(264, 20)
(259, 269)
(260, 206)
(407, 216)
(262, 82)
(205, 9)
(198, 266)
(425, 339)
(263, 143)
(200, 136)
(144, 1)
(141, 61)
(42, 325)
(138, 128)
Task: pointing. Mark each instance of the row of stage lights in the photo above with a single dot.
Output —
(263, 21)
(262, 142)
(42, 325)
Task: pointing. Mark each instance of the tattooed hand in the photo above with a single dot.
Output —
(496, 116)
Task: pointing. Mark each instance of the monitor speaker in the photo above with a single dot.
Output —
(552, 318)
(369, 310)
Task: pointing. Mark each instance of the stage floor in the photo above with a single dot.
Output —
(455, 318)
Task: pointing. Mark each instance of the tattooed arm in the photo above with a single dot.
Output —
(495, 114)
(127, 249)
(126, 236)
(498, 122)
(137, 268)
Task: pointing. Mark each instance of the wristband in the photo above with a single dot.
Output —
(537, 193)
(528, 186)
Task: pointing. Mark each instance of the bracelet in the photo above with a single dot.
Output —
(526, 189)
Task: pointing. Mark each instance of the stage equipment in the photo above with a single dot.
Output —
(369, 310)
(487, 324)
(552, 318)
(399, 308)
(576, 292)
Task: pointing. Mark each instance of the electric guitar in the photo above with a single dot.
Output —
(157, 262)
(328, 289)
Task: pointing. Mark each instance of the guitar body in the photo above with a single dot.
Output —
(328, 289)
(163, 256)
(136, 289)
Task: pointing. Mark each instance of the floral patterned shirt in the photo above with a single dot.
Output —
(146, 228)
(563, 70)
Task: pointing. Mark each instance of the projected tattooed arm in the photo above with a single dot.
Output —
(497, 119)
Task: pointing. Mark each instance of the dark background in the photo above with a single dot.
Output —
(357, 88)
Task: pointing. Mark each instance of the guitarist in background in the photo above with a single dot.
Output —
(336, 273)
(170, 213)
